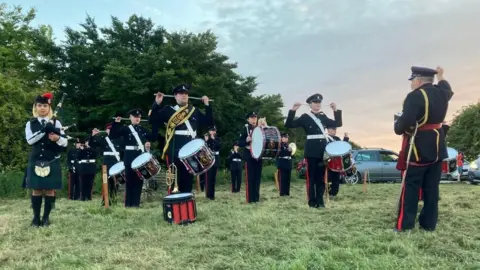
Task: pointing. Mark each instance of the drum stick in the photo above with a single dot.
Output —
(197, 98)
(126, 119)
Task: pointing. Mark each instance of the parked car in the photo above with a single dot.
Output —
(454, 175)
(474, 172)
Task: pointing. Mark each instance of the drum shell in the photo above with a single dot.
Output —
(199, 161)
(180, 211)
(338, 162)
(271, 143)
(147, 169)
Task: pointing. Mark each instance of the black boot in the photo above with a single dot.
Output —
(36, 206)
(49, 201)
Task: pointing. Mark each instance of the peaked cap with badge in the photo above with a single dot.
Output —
(317, 98)
(422, 72)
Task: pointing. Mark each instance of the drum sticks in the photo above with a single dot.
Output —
(197, 98)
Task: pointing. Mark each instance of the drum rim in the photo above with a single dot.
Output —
(187, 195)
(193, 153)
(339, 155)
(265, 142)
(148, 154)
(205, 169)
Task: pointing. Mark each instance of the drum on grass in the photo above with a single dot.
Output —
(179, 208)
(266, 143)
(449, 164)
(196, 156)
(338, 156)
(146, 166)
(117, 172)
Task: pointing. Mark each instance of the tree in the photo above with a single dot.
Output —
(25, 58)
(464, 132)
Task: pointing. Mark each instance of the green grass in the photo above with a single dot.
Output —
(353, 232)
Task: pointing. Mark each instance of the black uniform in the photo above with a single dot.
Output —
(284, 168)
(334, 177)
(74, 186)
(211, 175)
(253, 167)
(133, 183)
(44, 171)
(235, 165)
(88, 169)
(109, 159)
(427, 106)
(314, 148)
(184, 133)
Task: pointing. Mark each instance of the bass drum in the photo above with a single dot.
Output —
(266, 143)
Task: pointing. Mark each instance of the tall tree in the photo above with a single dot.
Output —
(464, 131)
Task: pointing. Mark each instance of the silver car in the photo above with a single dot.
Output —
(474, 172)
(378, 162)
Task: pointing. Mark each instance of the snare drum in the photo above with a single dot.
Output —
(196, 156)
(117, 172)
(146, 166)
(179, 208)
(449, 164)
(266, 143)
(338, 156)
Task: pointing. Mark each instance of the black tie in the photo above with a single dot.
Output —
(43, 122)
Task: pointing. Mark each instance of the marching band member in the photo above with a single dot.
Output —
(213, 143)
(235, 165)
(313, 123)
(182, 122)
(253, 167)
(284, 166)
(74, 187)
(135, 137)
(429, 147)
(334, 177)
(112, 150)
(88, 169)
(44, 170)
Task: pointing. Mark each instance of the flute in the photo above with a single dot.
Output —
(126, 119)
(197, 98)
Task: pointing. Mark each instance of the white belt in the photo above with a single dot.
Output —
(216, 153)
(286, 157)
(313, 137)
(131, 147)
(236, 159)
(185, 133)
(87, 161)
(108, 153)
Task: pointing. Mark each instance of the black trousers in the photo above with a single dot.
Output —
(428, 179)
(236, 179)
(211, 180)
(315, 182)
(284, 177)
(202, 181)
(74, 186)
(253, 175)
(87, 186)
(133, 188)
(334, 178)
(184, 178)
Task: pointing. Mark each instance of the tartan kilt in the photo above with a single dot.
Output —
(52, 181)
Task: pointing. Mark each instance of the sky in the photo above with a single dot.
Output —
(356, 53)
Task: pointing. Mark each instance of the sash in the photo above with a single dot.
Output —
(135, 134)
(320, 125)
(110, 144)
(179, 117)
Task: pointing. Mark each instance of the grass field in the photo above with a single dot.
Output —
(353, 232)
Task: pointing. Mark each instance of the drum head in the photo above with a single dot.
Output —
(190, 148)
(140, 160)
(258, 141)
(338, 148)
(452, 153)
(117, 168)
(178, 196)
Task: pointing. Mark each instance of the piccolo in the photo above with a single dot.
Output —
(126, 119)
(197, 98)
(67, 127)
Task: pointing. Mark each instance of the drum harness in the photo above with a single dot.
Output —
(139, 142)
(320, 126)
(110, 144)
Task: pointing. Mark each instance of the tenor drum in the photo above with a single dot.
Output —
(449, 164)
(266, 143)
(338, 156)
(196, 156)
(117, 172)
(179, 208)
(146, 166)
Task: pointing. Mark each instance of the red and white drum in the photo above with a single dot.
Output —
(449, 164)
(180, 208)
(266, 142)
(196, 156)
(338, 156)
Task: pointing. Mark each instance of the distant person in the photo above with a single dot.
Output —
(426, 105)
(460, 160)
(334, 177)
